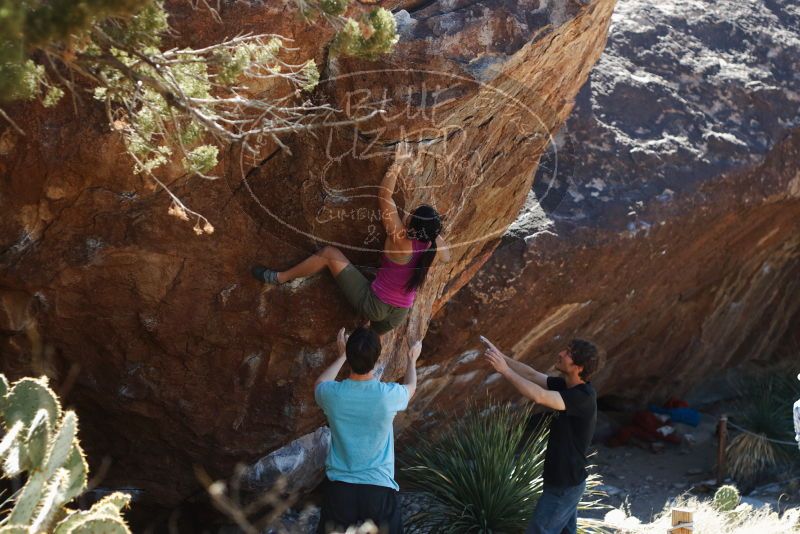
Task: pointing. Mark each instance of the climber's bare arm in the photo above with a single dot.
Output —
(396, 239)
(395, 231)
(332, 371)
(442, 249)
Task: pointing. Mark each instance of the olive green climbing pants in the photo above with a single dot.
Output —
(355, 286)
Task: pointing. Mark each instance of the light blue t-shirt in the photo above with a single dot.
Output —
(360, 414)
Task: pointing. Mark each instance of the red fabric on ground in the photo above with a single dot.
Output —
(644, 426)
(676, 403)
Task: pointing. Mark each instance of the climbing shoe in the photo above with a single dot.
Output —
(262, 274)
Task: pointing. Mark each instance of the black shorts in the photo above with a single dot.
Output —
(345, 504)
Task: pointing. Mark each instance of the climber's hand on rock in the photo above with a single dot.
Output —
(341, 341)
(496, 359)
(405, 157)
(415, 351)
(402, 153)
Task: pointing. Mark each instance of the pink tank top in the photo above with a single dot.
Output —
(390, 283)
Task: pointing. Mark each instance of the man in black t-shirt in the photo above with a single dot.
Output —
(575, 402)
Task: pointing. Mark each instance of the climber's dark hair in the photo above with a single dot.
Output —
(362, 350)
(425, 225)
(585, 354)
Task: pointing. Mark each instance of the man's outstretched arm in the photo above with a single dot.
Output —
(411, 368)
(534, 392)
(525, 371)
(332, 371)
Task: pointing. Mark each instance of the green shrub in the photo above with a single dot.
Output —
(24, 26)
(175, 104)
(369, 37)
(483, 474)
(41, 442)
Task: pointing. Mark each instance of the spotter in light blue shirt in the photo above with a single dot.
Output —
(360, 415)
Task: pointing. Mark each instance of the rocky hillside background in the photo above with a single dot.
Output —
(664, 224)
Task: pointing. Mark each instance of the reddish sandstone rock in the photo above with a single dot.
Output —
(172, 355)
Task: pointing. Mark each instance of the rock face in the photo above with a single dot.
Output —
(666, 225)
(172, 355)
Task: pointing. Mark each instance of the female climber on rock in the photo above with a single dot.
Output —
(409, 251)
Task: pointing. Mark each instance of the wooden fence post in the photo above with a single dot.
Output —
(722, 433)
(683, 517)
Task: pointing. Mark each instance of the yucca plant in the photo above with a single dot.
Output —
(766, 411)
(483, 474)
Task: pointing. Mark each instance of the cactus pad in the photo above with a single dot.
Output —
(3, 389)
(78, 472)
(27, 397)
(96, 524)
(112, 504)
(39, 440)
(726, 498)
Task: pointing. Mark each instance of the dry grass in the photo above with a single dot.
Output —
(750, 456)
(707, 520)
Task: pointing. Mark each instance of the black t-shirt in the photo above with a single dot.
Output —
(571, 434)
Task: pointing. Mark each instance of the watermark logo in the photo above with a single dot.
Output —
(457, 131)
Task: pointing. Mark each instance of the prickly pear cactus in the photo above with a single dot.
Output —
(726, 498)
(41, 440)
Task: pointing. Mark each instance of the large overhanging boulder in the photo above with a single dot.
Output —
(665, 224)
(172, 354)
